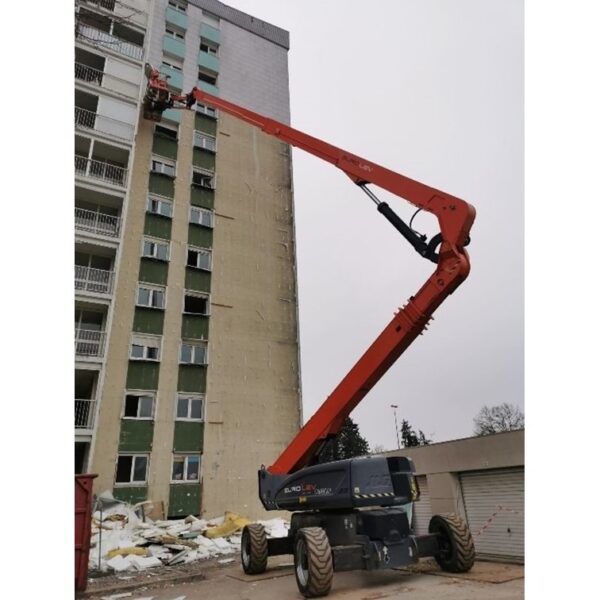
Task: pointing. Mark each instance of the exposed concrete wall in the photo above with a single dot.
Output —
(253, 381)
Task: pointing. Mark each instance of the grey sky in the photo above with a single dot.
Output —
(433, 90)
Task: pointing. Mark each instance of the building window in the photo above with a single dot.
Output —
(201, 216)
(155, 249)
(160, 206)
(203, 178)
(145, 347)
(207, 77)
(195, 304)
(151, 296)
(190, 407)
(174, 33)
(199, 258)
(131, 468)
(193, 353)
(178, 5)
(166, 132)
(172, 65)
(208, 47)
(209, 111)
(205, 141)
(210, 19)
(138, 405)
(163, 166)
(186, 467)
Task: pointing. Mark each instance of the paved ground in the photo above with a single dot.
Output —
(278, 583)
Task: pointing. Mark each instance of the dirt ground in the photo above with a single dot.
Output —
(487, 581)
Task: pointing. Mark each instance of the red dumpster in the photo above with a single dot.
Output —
(83, 519)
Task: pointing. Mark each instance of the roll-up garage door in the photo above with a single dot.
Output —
(422, 508)
(494, 504)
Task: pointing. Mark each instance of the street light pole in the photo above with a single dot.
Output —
(395, 406)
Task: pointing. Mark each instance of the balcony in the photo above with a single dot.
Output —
(99, 169)
(88, 119)
(96, 222)
(96, 281)
(95, 37)
(89, 343)
(210, 33)
(84, 413)
(174, 17)
(209, 88)
(99, 78)
(208, 61)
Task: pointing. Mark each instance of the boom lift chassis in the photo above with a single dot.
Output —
(352, 514)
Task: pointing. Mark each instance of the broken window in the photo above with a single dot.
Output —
(186, 467)
(201, 216)
(195, 304)
(131, 468)
(193, 353)
(138, 406)
(151, 296)
(160, 206)
(190, 407)
(145, 347)
(155, 249)
(199, 258)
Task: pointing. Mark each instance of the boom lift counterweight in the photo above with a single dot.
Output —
(330, 528)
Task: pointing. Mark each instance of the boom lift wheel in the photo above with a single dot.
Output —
(313, 562)
(457, 552)
(254, 549)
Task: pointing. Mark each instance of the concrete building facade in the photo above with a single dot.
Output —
(483, 480)
(187, 362)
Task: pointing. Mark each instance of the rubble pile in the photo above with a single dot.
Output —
(124, 541)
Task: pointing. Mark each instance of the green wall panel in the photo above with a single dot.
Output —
(164, 146)
(200, 236)
(191, 379)
(142, 375)
(158, 226)
(184, 500)
(161, 185)
(148, 320)
(204, 159)
(188, 437)
(195, 327)
(197, 280)
(205, 124)
(202, 197)
(154, 271)
(131, 494)
(136, 435)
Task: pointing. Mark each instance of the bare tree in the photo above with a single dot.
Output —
(494, 419)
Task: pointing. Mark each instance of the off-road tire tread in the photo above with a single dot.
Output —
(259, 550)
(320, 562)
(463, 542)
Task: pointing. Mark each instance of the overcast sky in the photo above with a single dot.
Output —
(433, 90)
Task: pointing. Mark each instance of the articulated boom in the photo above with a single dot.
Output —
(455, 218)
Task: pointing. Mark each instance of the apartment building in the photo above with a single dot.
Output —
(186, 329)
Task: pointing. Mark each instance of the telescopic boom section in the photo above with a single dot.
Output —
(455, 217)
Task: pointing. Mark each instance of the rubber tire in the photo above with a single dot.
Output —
(460, 553)
(254, 539)
(319, 559)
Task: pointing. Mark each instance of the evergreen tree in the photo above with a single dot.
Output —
(410, 439)
(347, 444)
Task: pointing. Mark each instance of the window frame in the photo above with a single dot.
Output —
(196, 295)
(174, 32)
(135, 456)
(165, 162)
(199, 251)
(185, 457)
(208, 74)
(140, 339)
(194, 344)
(207, 111)
(139, 394)
(156, 241)
(171, 65)
(206, 211)
(190, 397)
(178, 6)
(204, 173)
(204, 137)
(151, 287)
(210, 45)
(161, 200)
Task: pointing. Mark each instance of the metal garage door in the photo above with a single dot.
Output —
(494, 503)
(422, 508)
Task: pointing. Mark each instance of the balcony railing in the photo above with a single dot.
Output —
(202, 140)
(84, 414)
(88, 119)
(99, 169)
(105, 80)
(94, 36)
(89, 342)
(97, 281)
(97, 222)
